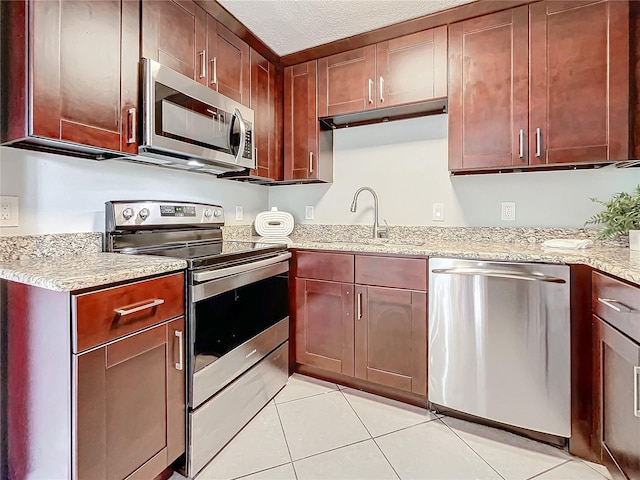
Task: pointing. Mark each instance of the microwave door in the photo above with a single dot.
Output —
(192, 126)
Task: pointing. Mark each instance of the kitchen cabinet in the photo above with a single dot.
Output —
(72, 74)
(364, 317)
(616, 324)
(104, 396)
(407, 69)
(308, 151)
(266, 102)
(519, 80)
(185, 38)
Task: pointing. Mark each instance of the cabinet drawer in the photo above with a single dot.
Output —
(618, 303)
(107, 314)
(409, 273)
(336, 267)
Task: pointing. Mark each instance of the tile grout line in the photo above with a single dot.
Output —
(594, 469)
(472, 449)
(302, 398)
(537, 475)
(260, 471)
(285, 439)
(372, 437)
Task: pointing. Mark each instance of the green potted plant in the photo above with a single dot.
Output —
(621, 215)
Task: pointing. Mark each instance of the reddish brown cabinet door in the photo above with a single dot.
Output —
(617, 367)
(412, 68)
(579, 54)
(130, 405)
(228, 59)
(324, 325)
(301, 121)
(265, 99)
(347, 82)
(174, 34)
(391, 337)
(80, 53)
(488, 91)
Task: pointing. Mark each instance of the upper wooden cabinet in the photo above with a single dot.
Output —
(185, 38)
(541, 84)
(407, 69)
(266, 102)
(78, 79)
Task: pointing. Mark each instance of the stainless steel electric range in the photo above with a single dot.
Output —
(237, 314)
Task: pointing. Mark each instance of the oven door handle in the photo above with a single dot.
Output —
(225, 272)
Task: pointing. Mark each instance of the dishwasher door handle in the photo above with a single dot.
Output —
(484, 272)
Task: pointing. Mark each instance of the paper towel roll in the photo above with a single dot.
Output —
(274, 223)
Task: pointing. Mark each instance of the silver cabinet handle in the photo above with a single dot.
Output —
(636, 394)
(538, 142)
(611, 303)
(255, 151)
(381, 90)
(214, 71)
(123, 311)
(482, 272)
(178, 334)
(131, 121)
(310, 162)
(370, 91)
(203, 66)
(359, 305)
(521, 143)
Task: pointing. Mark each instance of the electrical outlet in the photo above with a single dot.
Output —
(8, 211)
(308, 212)
(508, 211)
(239, 212)
(438, 212)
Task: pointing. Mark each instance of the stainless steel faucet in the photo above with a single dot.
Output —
(378, 231)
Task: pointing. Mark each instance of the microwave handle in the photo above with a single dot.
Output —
(243, 133)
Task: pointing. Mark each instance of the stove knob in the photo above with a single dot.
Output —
(217, 213)
(208, 212)
(144, 213)
(127, 213)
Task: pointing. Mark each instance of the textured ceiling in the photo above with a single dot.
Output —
(288, 26)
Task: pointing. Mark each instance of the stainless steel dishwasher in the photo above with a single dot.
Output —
(499, 342)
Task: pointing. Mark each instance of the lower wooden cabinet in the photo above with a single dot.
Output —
(324, 325)
(391, 337)
(375, 334)
(130, 405)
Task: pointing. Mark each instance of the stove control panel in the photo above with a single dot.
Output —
(149, 214)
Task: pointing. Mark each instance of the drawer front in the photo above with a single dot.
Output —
(394, 272)
(618, 303)
(107, 314)
(334, 267)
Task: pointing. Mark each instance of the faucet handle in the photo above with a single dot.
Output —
(383, 232)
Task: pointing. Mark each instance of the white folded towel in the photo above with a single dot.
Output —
(567, 243)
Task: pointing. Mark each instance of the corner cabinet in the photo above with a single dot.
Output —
(106, 400)
(266, 97)
(72, 73)
(362, 320)
(520, 80)
(616, 324)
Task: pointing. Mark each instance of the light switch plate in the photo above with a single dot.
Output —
(239, 212)
(308, 212)
(8, 211)
(438, 212)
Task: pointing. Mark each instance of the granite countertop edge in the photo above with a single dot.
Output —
(617, 261)
(78, 272)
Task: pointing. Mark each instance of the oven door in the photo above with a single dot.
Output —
(235, 321)
(184, 119)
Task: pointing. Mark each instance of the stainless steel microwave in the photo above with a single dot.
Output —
(186, 123)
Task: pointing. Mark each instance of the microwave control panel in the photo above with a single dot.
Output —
(248, 145)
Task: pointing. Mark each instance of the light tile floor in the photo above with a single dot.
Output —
(319, 430)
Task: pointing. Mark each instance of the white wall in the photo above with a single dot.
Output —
(60, 194)
(406, 163)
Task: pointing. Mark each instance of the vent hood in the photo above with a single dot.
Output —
(386, 114)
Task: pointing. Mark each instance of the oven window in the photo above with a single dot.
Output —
(227, 320)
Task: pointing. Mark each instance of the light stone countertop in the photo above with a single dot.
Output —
(75, 272)
(618, 261)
